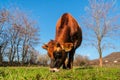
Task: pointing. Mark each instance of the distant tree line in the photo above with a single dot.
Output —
(18, 36)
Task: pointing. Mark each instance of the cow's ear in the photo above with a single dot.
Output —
(67, 46)
(45, 46)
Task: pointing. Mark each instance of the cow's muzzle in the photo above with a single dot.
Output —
(54, 70)
(55, 63)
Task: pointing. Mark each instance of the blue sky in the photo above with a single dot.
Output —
(47, 12)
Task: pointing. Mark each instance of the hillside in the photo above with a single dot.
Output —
(113, 58)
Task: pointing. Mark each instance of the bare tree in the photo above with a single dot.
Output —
(102, 24)
(33, 56)
(81, 60)
(22, 32)
(43, 59)
(4, 17)
(14, 42)
(30, 36)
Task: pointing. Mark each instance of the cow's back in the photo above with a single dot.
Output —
(68, 30)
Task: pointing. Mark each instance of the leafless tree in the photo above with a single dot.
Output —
(4, 17)
(14, 42)
(33, 56)
(43, 60)
(101, 22)
(23, 34)
(30, 36)
(81, 60)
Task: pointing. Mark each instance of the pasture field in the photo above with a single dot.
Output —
(43, 73)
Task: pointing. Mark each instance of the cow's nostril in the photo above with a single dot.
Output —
(52, 70)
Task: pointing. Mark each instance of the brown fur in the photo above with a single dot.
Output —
(68, 30)
(68, 38)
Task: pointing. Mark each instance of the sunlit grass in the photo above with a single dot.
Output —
(43, 73)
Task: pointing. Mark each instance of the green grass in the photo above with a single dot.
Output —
(42, 73)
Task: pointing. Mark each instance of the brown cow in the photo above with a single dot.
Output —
(68, 38)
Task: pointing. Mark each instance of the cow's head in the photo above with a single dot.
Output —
(58, 53)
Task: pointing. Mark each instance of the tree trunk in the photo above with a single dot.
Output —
(100, 61)
(18, 43)
(0, 56)
(100, 52)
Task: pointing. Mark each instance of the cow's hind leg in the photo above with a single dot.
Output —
(71, 58)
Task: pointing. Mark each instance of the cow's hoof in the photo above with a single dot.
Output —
(54, 70)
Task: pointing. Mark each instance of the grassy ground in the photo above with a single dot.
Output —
(42, 73)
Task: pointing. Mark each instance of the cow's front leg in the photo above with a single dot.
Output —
(65, 64)
(71, 58)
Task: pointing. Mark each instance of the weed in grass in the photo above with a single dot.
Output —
(38, 77)
(2, 73)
